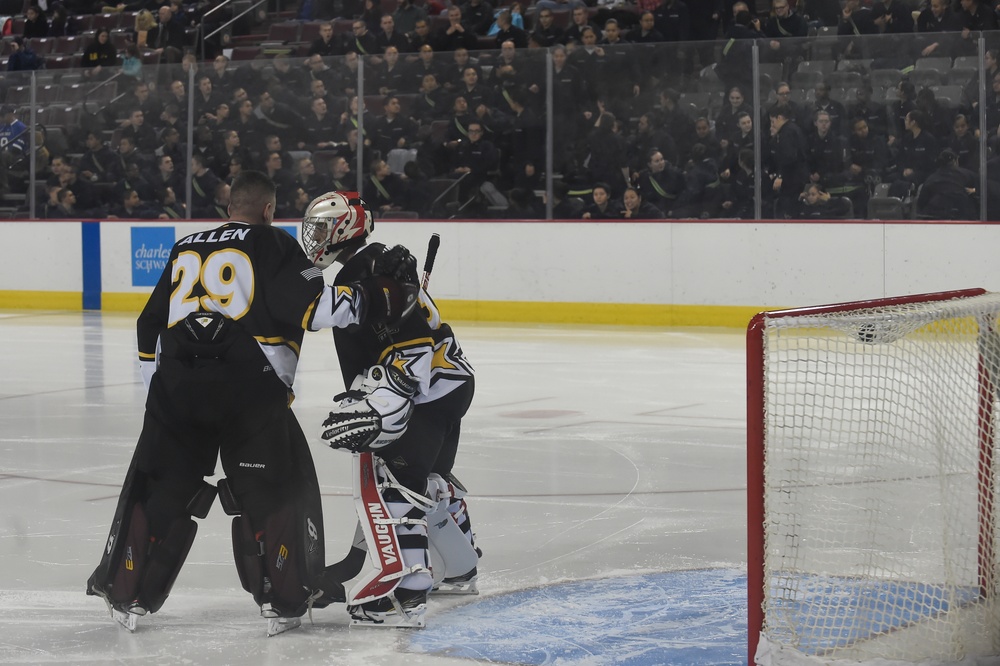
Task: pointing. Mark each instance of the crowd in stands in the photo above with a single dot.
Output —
(652, 111)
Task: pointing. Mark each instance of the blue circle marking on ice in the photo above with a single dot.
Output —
(674, 618)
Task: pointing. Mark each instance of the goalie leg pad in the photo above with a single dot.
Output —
(453, 553)
(393, 522)
(138, 567)
(279, 558)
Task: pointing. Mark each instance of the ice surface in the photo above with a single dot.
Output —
(605, 463)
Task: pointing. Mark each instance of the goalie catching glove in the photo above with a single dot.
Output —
(373, 414)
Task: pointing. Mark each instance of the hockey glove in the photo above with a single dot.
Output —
(387, 301)
(373, 414)
(397, 263)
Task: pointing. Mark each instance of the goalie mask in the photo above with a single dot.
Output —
(334, 222)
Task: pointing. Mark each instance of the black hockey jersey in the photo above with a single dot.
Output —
(255, 274)
(422, 347)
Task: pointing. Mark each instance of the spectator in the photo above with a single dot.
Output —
(660, 183)
(478, 15)
(634, 208)
(99, 54)
(203, 182)
(948, 193)
(785, 30)
(340, 171)
(14, 142)
(325, 45)
(407, 15)
(295, 209)
(384, 190)
(704, 135)
(388, 36)
(165, 174)
(131, 207)
(420, 36)
(455, 35)
(815, 203)
(476, 159)
(650, 135)
(726, 123)
(362, 41)
(939, 23)
(895, 21)
(525, 137)
(738, 198)
(964, 144)
(431, 104)
(66, 208)
(580, 21)
(219, 208)
(602, 207)
(744, 139)
(142, 135)
(856, 21)
(390, 75)
(167, 38)
(702, 193)
(898, 110)
(867, 162)
(917, 153)
(206, 100)
(35, 23)
(507, 29)
(873, 114)
(307, 179)
(976, 17)
(735, 67)
(231, 146)
(606, 157)
(939, 119)
(173, 147)
(167, 206)
(546, 33)
(453, 74)
(320, 128)
(144, 22)
(787, 160)
(22, 58)
(276, 116)
(834, 109)
(61, 24)
(672, 20)
(828, 153)
(96, 165)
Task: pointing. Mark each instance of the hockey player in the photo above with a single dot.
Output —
(218, 343)
(410, 387)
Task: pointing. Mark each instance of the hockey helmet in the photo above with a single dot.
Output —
(333, 223)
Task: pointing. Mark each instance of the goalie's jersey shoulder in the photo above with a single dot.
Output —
(422, 347)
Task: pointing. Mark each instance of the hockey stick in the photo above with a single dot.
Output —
(432, 250)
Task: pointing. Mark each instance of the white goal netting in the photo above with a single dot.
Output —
(880, 467)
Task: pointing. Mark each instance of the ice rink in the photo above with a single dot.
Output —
(606, 470)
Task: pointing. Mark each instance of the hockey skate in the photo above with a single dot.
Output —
(402, 608)
(126, 617)
(464, 584)
(276, 624)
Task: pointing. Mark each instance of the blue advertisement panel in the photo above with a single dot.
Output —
(292, 231)
(150, 252)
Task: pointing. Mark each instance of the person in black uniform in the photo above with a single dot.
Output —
(218, 344)
(949, 193)
(429, 379)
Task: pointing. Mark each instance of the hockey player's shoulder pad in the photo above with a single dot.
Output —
(373, 414)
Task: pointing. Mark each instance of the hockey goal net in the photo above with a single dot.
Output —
(872, 474)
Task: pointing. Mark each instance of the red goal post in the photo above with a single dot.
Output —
(863, 330)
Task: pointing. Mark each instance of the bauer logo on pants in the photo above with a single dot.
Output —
(282, 556)
(150, 252)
